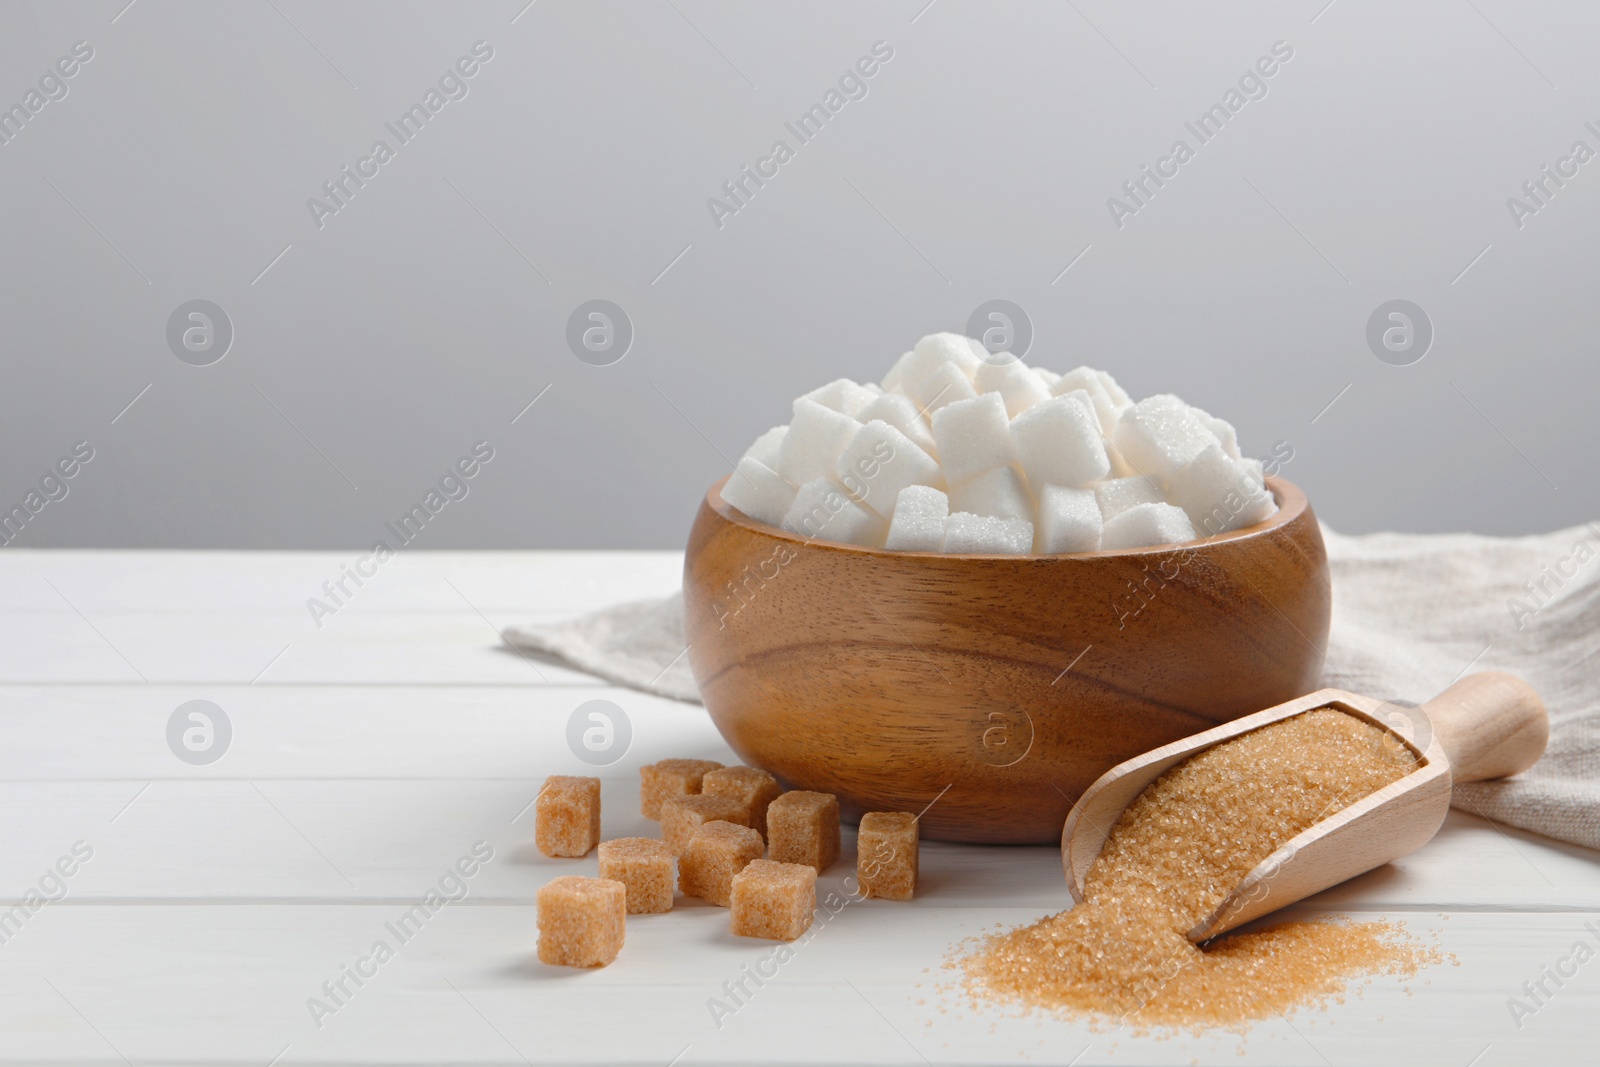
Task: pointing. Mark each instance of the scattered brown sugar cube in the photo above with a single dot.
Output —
(682, 817)
(670, 778)
(753, 788)
(886, 855)
(644, 866)
(774, 900)
(717, 852)
(581, 921)
(803, 827)
(567, 819)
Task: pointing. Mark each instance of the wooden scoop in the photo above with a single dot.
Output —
(1487, 725)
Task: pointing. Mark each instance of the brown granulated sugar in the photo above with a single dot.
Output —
(1172, 857)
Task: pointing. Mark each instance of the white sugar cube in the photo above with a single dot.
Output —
(965, 532)
(821, 511)
(1256, 470)
(1059, 443)
(1160, 434)
(1089, 380)
(1083, 397)
(758, 491)
(993, 370)
(1069, 521)
(946, 385)
(1119, 396)
(1219, 494)
(999, 493)
(1020, 387)
(765, 449)
(842, 395)
(895, 380)
(816, 437)
(951, 348)
(1224, 432)
(1119, 494)
(901, 413)
(973, 436)
(1144, 525)
(880, 461)
(1089, 402)
(1048, 377)
(934, 352)
(918, 523)
(1120, 467)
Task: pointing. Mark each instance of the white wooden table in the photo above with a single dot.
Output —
(367, 757)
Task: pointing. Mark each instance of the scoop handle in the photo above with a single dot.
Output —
(1490, 725)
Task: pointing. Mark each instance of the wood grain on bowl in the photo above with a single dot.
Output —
(1006, 683)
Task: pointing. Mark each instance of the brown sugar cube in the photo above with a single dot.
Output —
(753, 788)
(774, 900)
(717, 852)
(567, 819)
(803, 827)
(682, 817)
(644, 866)
(886, 855)
(670, 778)
(581, 921)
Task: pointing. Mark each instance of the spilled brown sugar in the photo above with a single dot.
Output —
(1172, 857)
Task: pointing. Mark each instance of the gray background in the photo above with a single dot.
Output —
(431, 310)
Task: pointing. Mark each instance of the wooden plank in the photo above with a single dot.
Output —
(334, 840)
(391, 783)
(231, 984)
(285, 840)
(413, 581)
(506, 731)
(221, 618)
(273, 648)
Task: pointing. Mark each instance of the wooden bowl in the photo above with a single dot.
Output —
(1001, 685)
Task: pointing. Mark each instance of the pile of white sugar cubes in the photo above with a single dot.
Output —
(964, 450)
